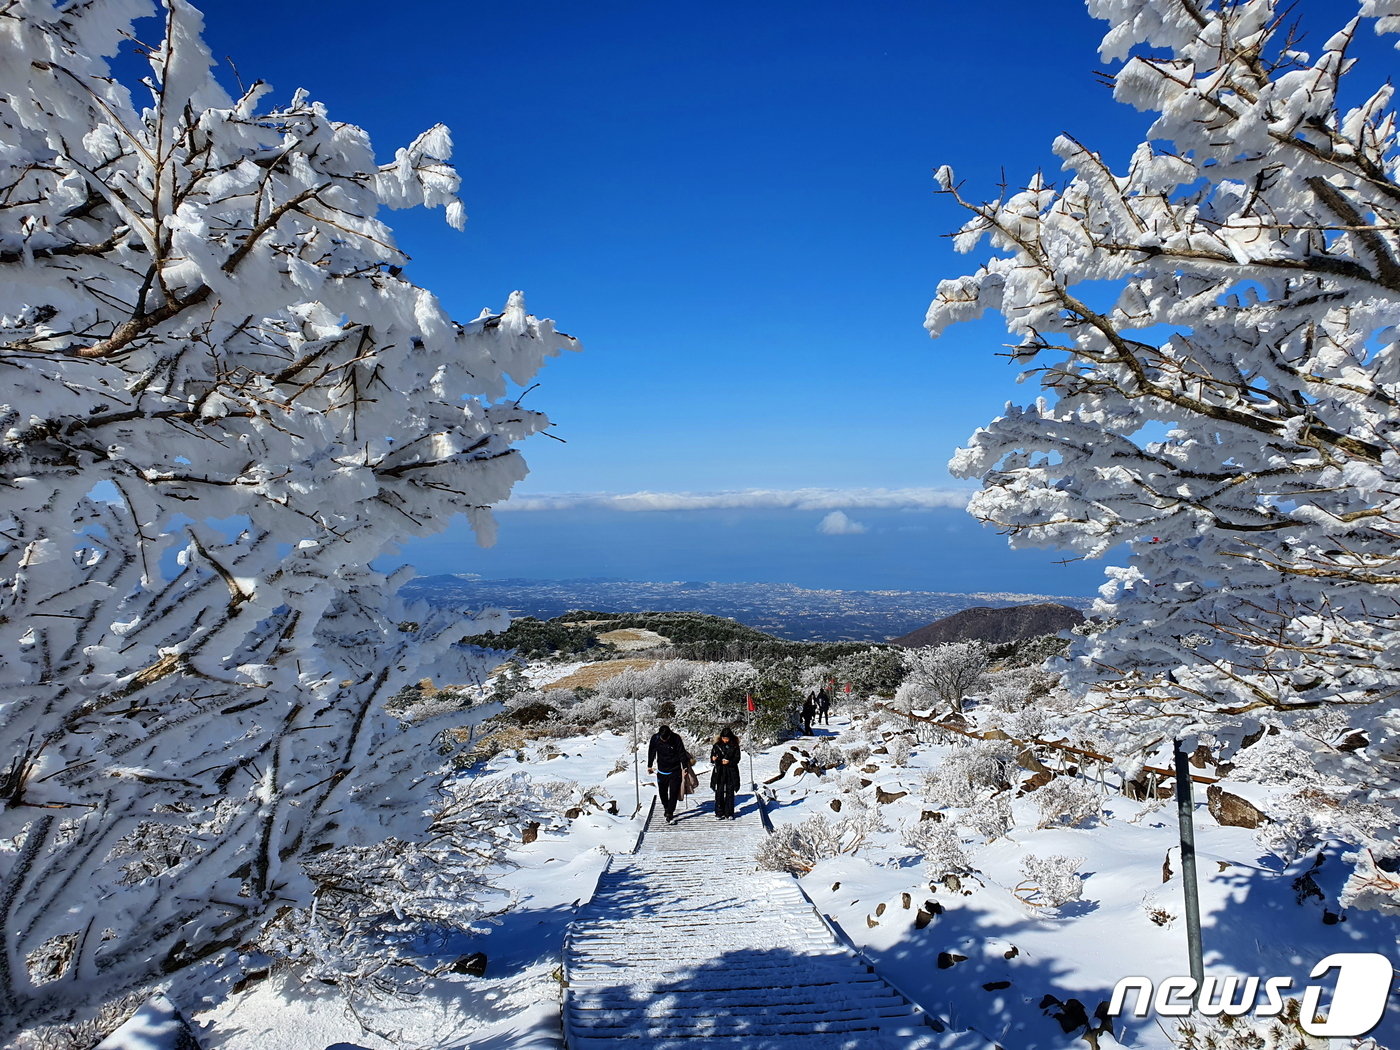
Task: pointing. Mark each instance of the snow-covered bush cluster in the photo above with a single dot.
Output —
(940, 846)
(799, 847)
(663, 680)
(826, 755)
(1050, 881)
(223, 401)
(970, 774)
(1071, 801)
(1213, 329)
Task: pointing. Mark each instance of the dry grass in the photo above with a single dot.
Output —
(590, 676)
(627, 638)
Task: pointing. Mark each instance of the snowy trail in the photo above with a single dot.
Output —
(683, 940)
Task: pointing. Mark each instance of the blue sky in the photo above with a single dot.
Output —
(732, 206)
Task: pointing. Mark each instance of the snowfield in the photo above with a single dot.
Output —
(981, 949)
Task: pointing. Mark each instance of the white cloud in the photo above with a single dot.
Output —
(838, 524)
(792, 499)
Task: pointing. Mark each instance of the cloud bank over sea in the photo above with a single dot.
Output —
(748, 499)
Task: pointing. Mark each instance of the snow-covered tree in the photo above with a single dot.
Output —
(1213, 329)
(221, 401)
(947, 672)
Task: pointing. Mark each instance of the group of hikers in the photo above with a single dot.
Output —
(673, 766)
(816, 705)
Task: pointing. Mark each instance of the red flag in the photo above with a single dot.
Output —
(749, 697)
(848, 687)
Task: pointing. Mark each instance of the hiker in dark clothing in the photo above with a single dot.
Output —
(809, 708)
(725, 777)
(667, 757)
(824, 706)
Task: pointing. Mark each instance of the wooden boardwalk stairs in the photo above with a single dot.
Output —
(685, 941)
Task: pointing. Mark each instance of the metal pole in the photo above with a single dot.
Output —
(1184, 813)
(636, 746)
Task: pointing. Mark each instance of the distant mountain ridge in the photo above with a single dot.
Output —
(995, 626)
(780, 609)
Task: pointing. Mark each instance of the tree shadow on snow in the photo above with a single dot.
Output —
(744, 996)
(1282, 920)
(972, 973)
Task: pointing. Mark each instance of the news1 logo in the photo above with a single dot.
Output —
(1358, 996)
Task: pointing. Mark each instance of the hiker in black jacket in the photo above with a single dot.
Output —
(725, 776)
(667, 757)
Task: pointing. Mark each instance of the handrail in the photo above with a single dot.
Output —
(1036, 742)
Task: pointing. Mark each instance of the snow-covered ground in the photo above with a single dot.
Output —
(516, 1004)
(990, 960)
(977, 950)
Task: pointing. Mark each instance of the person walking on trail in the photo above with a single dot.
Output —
(809, 708)
(725, 776)
(824, 706)
(667, 758)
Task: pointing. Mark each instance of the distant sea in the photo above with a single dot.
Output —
(939, 550)
(781, 609)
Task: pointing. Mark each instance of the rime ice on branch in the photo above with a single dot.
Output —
(1213, 328)
(221, 401)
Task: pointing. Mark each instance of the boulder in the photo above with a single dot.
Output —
(1230, 810)
(1038, 780)
(474, 965)
(784, 764)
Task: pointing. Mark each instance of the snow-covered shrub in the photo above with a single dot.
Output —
(1288, 833)
(900, 749)
(580, 711)
(223, 402)
(826, 755)
(432, 707)
(507, 682)
(813, 677)
(858, 754)
(940, 845)
(664, 680)
(799, 847)
(990, 817)
(1070, 801)
(1371, 887)
(914, 695)
(497, 741)
(1048, 882)
(1025, 723)
(969, 773)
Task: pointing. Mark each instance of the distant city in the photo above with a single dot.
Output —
(784, 610)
